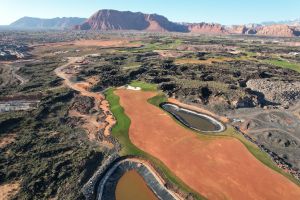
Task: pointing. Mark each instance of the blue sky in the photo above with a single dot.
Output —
(220, 11)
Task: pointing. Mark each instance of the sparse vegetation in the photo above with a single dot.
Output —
(51, 158)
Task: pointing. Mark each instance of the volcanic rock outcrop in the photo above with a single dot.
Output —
(278, 92)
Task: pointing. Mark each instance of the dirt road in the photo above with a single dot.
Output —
(220, 168)
(92, 123)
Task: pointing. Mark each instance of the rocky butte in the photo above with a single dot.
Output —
(117, 20)
(113, 20)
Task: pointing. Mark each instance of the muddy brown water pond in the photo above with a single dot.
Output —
(194, 120)
(132, 186)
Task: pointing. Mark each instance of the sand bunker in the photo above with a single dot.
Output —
(220, 168)
(133, 88)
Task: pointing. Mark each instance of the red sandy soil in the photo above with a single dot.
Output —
(7, 191)
(220, 168)
(5, 62)
(4, 141)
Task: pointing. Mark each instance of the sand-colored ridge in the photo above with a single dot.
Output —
(218, 168)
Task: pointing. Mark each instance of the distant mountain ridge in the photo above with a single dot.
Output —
(105, 20)
(295, 22)
(126, 20)
(114, 20)
(54, 23)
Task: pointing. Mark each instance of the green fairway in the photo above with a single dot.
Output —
(285, 64)
(144, 86)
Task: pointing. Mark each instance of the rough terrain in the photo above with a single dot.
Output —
(92, 122)
(277, 92)
(206, 72)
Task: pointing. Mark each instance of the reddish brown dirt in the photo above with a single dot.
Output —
(7, 191)
(220, 168)
(91, 122)
(4, 141)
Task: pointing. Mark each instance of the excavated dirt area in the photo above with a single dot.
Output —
(220, 168)
(93, 123)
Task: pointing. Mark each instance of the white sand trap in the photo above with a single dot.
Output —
(133, 88)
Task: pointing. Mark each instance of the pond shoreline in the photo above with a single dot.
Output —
(211, 119)
(102, 187)
(107, 184)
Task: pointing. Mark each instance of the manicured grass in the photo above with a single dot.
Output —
(285, 64)
(121, 128)
(144, 86)
(158, 99)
